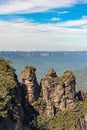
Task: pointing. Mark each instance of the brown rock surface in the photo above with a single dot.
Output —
(69, 82)
(29, 79)
(58, 92)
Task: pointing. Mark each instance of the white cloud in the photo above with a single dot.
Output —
(32, 36)
(63, 12)
(74, 23)
(29, 6)
(55, 19)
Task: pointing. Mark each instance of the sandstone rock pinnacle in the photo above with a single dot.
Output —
(28, 77)
(58, 92)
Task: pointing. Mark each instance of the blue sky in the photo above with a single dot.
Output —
(33, 25)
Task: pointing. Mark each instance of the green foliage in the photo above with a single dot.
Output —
(39, 105)
(65, 120)
(7, 83)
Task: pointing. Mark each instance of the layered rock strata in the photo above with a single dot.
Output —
(28, 77)
(69, 82)
(59, 93)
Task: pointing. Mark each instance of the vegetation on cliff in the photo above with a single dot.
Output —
(7, 83)
(71, 118)
(15, 111)
(15, 101)
(64, 120)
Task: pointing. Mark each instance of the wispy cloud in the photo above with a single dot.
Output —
(33, 36)
(55, 19)
(30, 6)
(63, 12)
(21, 20)
(74, 23)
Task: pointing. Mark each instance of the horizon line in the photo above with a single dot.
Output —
(43, 51)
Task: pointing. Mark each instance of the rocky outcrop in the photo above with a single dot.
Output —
(59, 93)
(69, 82)
(28, 77)
(15, 111)
(52, 89)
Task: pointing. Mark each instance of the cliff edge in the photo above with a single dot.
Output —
(53, 104)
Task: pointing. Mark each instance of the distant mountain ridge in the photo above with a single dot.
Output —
(26, 54)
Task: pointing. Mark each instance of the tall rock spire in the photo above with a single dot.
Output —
(58, 92)
(28, 77)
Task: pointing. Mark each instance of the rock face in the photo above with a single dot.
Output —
(28, 77)
(15, 111)
(69, 82)
(59, 93)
